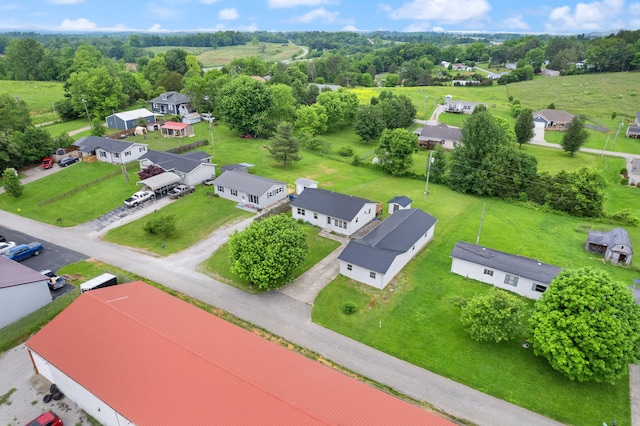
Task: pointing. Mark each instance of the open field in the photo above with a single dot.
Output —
(38, 95)
(221, 56)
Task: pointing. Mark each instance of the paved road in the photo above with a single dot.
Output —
(290, 318)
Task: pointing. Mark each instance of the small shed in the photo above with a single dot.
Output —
(615, 245)
(399, 203)
(22, 291)
(302, 183)
(172, 129)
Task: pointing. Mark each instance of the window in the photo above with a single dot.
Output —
(356, 220)
(328, 220)
(155, 105)
(220, 188)
(340, 223)
(413, 248)
(170, 107)
(234, 192)
(349, 267)
(141, 149)
(538, 287)
(315, 215)
(115, 154)
(372, 274)
(127, 153)
(488, 272)
(301, 212)
(103, 154)
(511, 280)
(254, 199)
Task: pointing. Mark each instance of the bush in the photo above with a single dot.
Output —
(346, 151)
(349, 308)
(624, 181)
(162, 225)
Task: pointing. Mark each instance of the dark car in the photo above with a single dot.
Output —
(47, 163)
(24, 251)
(55, 282)
(47, 419)
(67, 161)
(2, 239)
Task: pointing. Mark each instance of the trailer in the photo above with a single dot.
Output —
(104, 280)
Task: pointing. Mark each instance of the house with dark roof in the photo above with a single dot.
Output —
(633, 131)
(192, 167)
(250, 191)
(381, 254)
(171, 103)
(431, 135)
(113, 151)
(333, 211)
(518, 274)
(615, 245)
(22, 291)
(552, 119)
(144, 351)
(129, 119)
(399, 202)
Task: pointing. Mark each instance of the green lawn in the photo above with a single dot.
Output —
(197, 215)
(38, 95)
(66, 127)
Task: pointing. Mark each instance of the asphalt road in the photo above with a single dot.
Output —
(291, 319)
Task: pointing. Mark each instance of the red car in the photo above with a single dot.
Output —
(47, 163)
(46, 419)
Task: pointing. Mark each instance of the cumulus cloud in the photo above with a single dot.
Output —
(320, 14)
(229, 14)
(448, 11)
(277, 4)
(81, 24)
(594, 16)
(66, 1)
(515, 23)
(634, 15)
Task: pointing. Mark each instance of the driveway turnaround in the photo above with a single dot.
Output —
(290, 318)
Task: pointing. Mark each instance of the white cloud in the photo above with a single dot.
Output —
(209, 1)
(228, 14)
(81, 24)
(163, 13)
(320, 14)
(595, 16)
(634, 16)
(277, 4)
(449, 11)
(66, 1)
(350, 28)
(9, 7)
(515, 23)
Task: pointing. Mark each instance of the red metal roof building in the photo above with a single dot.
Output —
(154, 359)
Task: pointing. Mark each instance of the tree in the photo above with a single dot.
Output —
(369, 123)
(341, 107)
(587, 326)
(575, 136)
(9, 150)
(12, 184)
(14, 114)
(284, 146)
(150, 171)
(34, 143)
(245, 105)
(311, 119)
(496, 315)
(439, 167)
(267, 252)
(164, 225)
(97, 127)
(24, 57)
(524, 126)
(395, 150)
(284, 104)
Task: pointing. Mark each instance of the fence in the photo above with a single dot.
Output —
(189, 147)
(79, 188)
(601, 129)
(282, 207)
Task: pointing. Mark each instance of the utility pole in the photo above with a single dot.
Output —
(617, 132)
(605, 147)
(426, 186)
(481, 220)
(213, 150)
(84, 101)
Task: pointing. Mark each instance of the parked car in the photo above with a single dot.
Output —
(208, 182)
(47, 163)
(2, 239)
(207, 117)
(67, 161)
(47, 419)
(4, 247)
(180, 190)
(139, 198)
(55, 282)
(24, 251)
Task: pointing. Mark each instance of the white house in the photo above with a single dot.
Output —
(303, 183)
(192, 167)
(522, 275)
(22, 291)
(399, 203)
(431, 135)
(339, 213)
(249, 190)
(378, 257)
(108, 150)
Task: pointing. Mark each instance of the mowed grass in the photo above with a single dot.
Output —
(217, 266)
(197, 215)
(92, 200)
(38, 95)
(57, 129)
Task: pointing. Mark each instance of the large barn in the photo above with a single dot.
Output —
(148, 358)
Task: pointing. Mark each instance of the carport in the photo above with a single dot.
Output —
(161, 183)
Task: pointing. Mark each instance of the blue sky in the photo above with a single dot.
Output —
(543, 16)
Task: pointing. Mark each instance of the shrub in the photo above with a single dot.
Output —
(162, 225)
(624, 181)
(349, 308)
(346, 151)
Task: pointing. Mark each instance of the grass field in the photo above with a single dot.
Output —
(38, 95)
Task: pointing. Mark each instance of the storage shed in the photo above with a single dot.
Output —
(615, 245)
(22, 291)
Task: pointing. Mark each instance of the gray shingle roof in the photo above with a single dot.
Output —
(245, 182)
(438, 132)
(197, 155)
(377, 250)
(557, 115)
(174, 98)
(400, 199)
(330, 203)
(91, 143)
(517, 265)
(617, 236)
(170, 161)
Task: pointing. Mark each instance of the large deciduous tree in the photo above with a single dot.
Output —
(24, 57)
(12, 185)
(524, 126)
(284, 147)
(311, 119)
(395, 151)
(575, 136)
(341, 107)
(246, 105)
(267, 252)
(494, 316)
(587, 326)
(369, 123)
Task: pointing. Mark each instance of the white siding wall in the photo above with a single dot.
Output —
(362, 275)
(364, 216)
(202, 172)
(525, 286)
(81, 396)
(20, 300)
(263, 201)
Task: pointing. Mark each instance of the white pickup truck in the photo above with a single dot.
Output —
(139, 198)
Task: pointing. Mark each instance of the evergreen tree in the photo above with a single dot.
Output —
(524, 126)
(575, 136)
(284, 146)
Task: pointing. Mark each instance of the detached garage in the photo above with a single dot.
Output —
(22, 291)
(148, 358)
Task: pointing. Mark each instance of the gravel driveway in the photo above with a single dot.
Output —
(25, 403)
